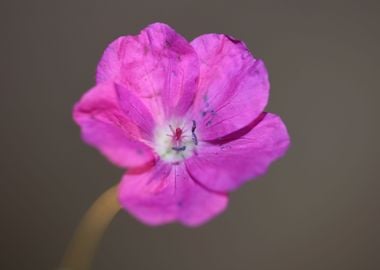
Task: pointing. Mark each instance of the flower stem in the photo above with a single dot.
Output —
(90, 230)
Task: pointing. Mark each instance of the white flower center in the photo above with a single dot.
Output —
(176, 140)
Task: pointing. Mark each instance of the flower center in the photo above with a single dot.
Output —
(175, 140)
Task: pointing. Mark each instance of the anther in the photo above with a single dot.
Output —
(179, 149)
(193, 136)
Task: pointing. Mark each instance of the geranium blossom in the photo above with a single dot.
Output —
(185, 118)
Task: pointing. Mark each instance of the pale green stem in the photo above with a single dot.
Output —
(90, 230)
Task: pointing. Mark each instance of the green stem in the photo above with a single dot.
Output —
(90, 230)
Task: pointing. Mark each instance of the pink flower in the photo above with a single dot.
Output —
(186, 119)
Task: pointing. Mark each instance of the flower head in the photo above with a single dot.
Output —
(185, 118)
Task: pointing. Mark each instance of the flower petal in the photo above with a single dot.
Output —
(159, 65)
(166, 194)
(240, 157)
(135, 111)
(233, 87)
(105, 126)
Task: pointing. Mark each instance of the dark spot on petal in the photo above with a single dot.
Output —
(145, 50)
(167, 43)
(205, 100)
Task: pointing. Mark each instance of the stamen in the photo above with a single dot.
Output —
(179, 149)
(195, 139)
(193, 136)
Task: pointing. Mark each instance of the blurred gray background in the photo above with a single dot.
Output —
(318, 208)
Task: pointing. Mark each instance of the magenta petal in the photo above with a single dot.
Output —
(226, 165)
(233, 88)
(110, 64)
(159, 65)
(135, 111)
(166, 194)
(106, 127)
